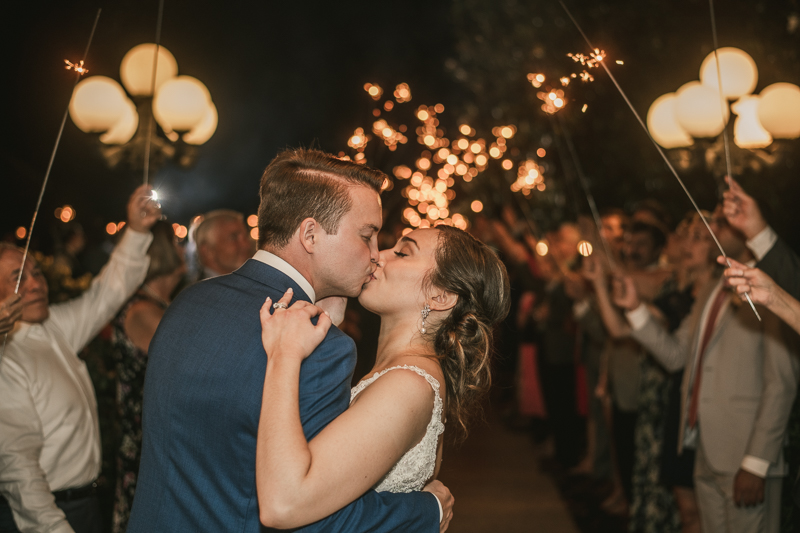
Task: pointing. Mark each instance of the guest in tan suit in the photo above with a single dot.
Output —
(737, 392)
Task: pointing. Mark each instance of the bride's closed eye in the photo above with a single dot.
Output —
(400, 254)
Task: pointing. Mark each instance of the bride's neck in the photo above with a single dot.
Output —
(399, 336)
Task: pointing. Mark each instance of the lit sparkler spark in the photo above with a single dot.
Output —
(77, 67)
(553, 101)
(586, 77)
(620, 62)
(584, 108)
(564, 81)
(591, 61)
(536, 79)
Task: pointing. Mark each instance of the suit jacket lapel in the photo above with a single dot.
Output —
(726, 315)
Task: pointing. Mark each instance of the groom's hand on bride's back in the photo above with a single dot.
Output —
(287, 331)
(446, 500)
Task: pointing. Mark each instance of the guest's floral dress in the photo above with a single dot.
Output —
(130, 364)
(653, 507)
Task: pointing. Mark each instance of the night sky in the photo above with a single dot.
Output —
(280, 74)
(290, 74)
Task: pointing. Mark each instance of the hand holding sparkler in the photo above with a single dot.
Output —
(10, 313)
(762, 290)
(623, 292)
(742, 211)
(143, 209)
(742, 279)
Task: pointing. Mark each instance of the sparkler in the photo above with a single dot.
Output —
(150, 126)
(725, 140)
(77, 67)
(660, 151)
(586, 191)
(79, 71)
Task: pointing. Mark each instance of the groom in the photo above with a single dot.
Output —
(318, 223)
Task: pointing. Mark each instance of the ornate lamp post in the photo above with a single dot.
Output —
(694, 113)
(180, 108)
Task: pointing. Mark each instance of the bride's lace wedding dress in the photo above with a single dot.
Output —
(416, 467)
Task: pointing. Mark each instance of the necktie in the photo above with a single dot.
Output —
(709, 330)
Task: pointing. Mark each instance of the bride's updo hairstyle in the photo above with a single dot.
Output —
(463, 340)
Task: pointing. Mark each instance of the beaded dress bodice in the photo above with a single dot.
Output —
(416, 467)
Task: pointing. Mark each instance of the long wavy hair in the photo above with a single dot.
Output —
(463, 340)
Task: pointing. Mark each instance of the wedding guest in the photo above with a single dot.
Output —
(223, 243)
(627, 357)
(694, 271)
(638, 432)
(558, 337)
(779, 262)
(49, 438)
(133, 328)
(739, 388)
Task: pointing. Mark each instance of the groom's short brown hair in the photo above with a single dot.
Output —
(303, 183)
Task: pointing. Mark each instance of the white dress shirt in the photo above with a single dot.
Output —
(279, 264)
(49, 432)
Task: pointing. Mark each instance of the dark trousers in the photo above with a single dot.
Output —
(558, 385)
(82, 514)
(625, 444)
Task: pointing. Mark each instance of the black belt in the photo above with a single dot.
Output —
(68, 495)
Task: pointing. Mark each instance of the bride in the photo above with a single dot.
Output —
(438, 292)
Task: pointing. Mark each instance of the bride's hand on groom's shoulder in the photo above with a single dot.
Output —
(287, 330)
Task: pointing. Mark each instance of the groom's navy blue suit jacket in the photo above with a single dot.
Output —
(202, 401)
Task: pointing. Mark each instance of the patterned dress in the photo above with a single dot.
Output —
(131, 363)
(653, 507)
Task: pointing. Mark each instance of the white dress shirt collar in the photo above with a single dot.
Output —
(279, 264)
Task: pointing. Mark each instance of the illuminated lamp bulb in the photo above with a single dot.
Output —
(254, 234)
(181, 103)
(136, 69)
(699, 110)
(124, 130)
(663, 125)
(542, 248)
(97, 104)
(252, 221)
(739, 72)
(21, 232)
(476, 206)
(203, 131)
(747, 130)
(779, 110)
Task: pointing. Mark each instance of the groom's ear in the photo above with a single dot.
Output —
(443, 300)
(309, 234)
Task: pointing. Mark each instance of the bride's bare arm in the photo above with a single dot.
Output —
(300, 482)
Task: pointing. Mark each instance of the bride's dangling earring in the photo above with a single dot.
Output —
(425, 312)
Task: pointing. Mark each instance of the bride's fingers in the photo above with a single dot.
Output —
(266, 310)
(324, 323)
(287, 297)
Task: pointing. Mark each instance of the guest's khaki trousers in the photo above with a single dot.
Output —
(719, 514)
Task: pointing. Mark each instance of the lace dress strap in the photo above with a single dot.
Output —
(363, 384)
